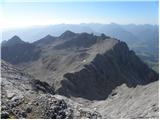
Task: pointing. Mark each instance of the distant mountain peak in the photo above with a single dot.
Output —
(13, 41)
(45, 40)
(112, 23)
(85, 33)
(67, 34)
(16, 37)
(48, 36)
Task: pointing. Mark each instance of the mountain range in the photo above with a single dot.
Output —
(143, 39)
(96, 72)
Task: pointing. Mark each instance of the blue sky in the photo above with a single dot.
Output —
(20, 14)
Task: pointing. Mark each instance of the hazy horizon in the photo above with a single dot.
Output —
(28, 14)
(33, 26)
(34, 33)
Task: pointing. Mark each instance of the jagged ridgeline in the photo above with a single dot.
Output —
(78, 65)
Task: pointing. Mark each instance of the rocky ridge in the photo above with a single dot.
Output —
(88, 69)
(98, 63)
(107, 71)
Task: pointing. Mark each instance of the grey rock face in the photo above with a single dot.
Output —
(107, 71)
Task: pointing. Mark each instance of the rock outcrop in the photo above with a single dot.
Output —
(16, 88)
(24, 97)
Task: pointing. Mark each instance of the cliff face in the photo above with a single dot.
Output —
(106, 72)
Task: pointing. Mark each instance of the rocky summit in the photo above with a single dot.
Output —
(76, 75)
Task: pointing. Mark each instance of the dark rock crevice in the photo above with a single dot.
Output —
(42, 86)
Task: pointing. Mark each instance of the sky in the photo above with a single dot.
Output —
(44, 12)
